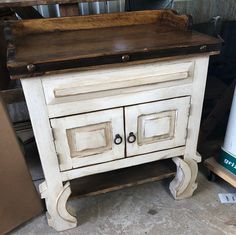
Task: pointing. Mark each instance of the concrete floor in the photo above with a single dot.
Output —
(149, 209)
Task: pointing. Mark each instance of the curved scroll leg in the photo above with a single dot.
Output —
(184, 183)
(58, 216)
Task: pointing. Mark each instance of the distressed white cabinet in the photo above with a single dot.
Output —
(89, 139)
(83, 132)
(97, 137)
(80, 132)
(106, 92)
(157, 125)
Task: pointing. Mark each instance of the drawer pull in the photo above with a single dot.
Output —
(125, 58)
(31, 68)
(118, 139)
(131, 138)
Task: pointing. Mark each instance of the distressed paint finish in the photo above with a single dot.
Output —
(109, 117)
(88, 139)
(166, 131)
(169, 133)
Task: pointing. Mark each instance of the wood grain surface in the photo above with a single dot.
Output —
(74, 23)
(46, 45)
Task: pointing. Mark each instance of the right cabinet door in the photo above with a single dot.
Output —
(156, 126)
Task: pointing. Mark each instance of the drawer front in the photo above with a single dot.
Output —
(79, 86)
(156, 126)
(88, 139)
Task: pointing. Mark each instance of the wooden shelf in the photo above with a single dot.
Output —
(123, 178)
(219, 170)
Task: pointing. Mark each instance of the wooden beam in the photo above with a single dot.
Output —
(219, 170)
(99, 21)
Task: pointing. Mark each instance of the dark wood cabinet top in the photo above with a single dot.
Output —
(44, 46)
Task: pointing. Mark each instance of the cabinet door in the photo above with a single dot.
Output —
(88, 139)
(156, 126)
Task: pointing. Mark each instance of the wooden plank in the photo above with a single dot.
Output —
(219, 170)
(23, 3)
(70, 9)
(63, 24)
(121, 163)
(123, 178)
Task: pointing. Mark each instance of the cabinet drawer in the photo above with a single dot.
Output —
(88, 139)
(77, 86)
(156, 126)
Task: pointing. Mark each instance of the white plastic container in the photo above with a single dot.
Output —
(228, 153)
(230, 137)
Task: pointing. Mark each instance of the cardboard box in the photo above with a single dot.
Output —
(19, 200)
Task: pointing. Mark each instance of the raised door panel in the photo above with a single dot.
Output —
(88, 139)
(156, 126)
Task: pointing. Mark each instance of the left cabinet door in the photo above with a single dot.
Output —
(88, 139)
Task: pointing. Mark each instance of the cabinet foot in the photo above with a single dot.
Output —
(184, 183)
(58, 215)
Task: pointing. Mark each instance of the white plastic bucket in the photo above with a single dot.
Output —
(230, 137)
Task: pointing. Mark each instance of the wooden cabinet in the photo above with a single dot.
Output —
(106, 92)
(156, 125)
(89, 139)
(62, 91)
(85, 134)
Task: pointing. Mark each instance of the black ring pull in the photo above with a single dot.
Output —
(118, 139)
(131, 138)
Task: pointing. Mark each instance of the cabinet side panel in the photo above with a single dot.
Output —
(198, 91)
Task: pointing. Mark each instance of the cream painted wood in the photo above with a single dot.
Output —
(184, 183)
(113, 100)
(198, 90)
(52, 188)
(111, 79)
(122, 163)
(101, 99)
(76, 116)
(88, 139)
(157, 125)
